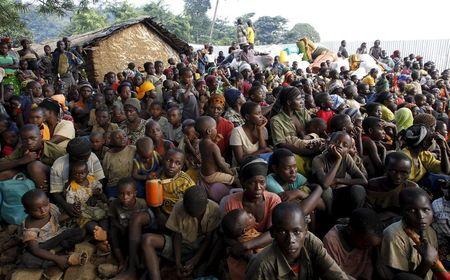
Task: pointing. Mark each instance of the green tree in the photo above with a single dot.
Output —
(10, 23)
(44, 26)
(196, 10)
(270, 30)
(85, 21)
(122, 11)
(246, 17)
(224, 34)
(299, 31)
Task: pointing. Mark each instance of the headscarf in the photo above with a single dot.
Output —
(336, 101)
(382, 86)
(403, 119)
(210, 79)
(134, 102)
(415, 135)
(142, 89)
(426, 120)
(251, 167)
(168, 71)
(244, 66)
(61, 99)
(217, 99)
(231, 96)
(352, 113)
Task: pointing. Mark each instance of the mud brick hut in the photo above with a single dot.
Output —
(138, 41)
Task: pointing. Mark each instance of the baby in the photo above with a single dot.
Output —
(214, 168)
(41, 233)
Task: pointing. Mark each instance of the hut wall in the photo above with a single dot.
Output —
(133, 44)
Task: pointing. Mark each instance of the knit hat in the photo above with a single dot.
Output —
(217, 99)
(231, 96)
(133, 102)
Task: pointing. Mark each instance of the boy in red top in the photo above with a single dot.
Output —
(323, 101)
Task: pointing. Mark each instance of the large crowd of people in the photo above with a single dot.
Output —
(228, 172)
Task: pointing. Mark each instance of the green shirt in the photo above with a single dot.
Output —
(282, 126)
(49, 154)
(7, 60)
(314, 262)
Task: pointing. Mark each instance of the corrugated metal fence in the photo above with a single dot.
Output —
(434, 50)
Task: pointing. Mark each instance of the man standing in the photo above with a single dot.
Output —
(241, 33)
(343, 50)
(375, 51)
(250, 34)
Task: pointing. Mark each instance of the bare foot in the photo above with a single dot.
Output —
(103, 248)
(76, 259)
(100, 234)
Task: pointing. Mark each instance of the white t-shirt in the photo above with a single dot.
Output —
(239, 138)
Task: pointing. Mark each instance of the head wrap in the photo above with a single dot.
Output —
(200, 82)
(61, 99)
(352, 113)
(415, 135)
(288, 93)
(426, 120)
(288, 74)
(381, 97)
(211, 69)
(251, 167)
(168, 71)
(217, 99)
(133, 102)
(79, 146)
(244, 66)
(382, 86)
(50, 105)
(231, 96)
(403, 118)
(7, 40)
(122, 85)
(336, 101)
(85, 84)
(145, 87)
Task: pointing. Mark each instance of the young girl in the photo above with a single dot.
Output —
(86, 192)
(9, 140)
(161, 145)
(145, 164)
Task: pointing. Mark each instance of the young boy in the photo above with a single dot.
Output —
(410, 245)
(37, 118)
(351, 93)
(193, 222)
(103, 121)
(340, 177)
(41, 233)
(316, 128)
(98, 144)
(323, 100)
(382, 192)
(174, 129)
(145, 164)
(353, 246)
(118, 161)
(161, 145)
(156, 111)
(295, 252)
(121, 210)
(190, 146)
(374, 151)
(214, 169)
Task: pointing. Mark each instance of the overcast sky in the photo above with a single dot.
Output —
(352, 20)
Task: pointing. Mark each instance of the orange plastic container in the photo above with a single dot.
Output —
(154, 193)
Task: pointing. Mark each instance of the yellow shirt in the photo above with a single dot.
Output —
(45, 132)
(386, 114)
(173, 190)
(250, 35)
(369, 81)
(426, 163)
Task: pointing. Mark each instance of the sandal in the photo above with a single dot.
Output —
(77, 259)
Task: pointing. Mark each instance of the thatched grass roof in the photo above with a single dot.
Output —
(91, 38)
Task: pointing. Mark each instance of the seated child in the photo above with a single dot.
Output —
(316, 128)
(323, 101)
(382, 192)
(193, 222)
(441, 223)
(174, 129)
(374, 151)
(214, 168)
(84, 191)
(36, 117)
(258, 95)
(239, 226)
(374, 110)
(353, 246)
(98, 100)
(9, 140)
(98, 144)
(118, 115)
(295, 252)
(290, 185)
(118, 161)
(121, 211)
(190, 146)
(156, 114)
(145, 164)
(24, 74)
(338, 174)
(410, 245)
(41, 233)
(161, 145)
(103, 120)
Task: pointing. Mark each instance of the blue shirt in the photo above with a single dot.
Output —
(273, 186)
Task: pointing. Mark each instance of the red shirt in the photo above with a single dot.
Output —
(224, 128)
(325, 115)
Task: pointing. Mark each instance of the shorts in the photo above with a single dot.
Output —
(188, 250)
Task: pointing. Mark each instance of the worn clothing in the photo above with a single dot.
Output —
(441, 224)
(189, 227)
(239, 138)
(174, 189)
(386, 114)
(347, 166)
(427, 163)
(398, 252)
(65, 129)
(224, 128)
(59, 173)
(314, 263)
(234, 117)
(281, 125)
(110, 128)
(118, 165)
(134, 135)
(123, 214)
(356, 263)
(241, 34)
(49, 153)
(250, 35)
(271, 200)
(218, 177)
(46, 232)
(274, 186)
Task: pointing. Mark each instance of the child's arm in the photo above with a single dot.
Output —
(371, 148)
(135, 174)
(310, 203)
(192, 263)
(34, 249)
(220, 162)
(328, 179)
(177, 238)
